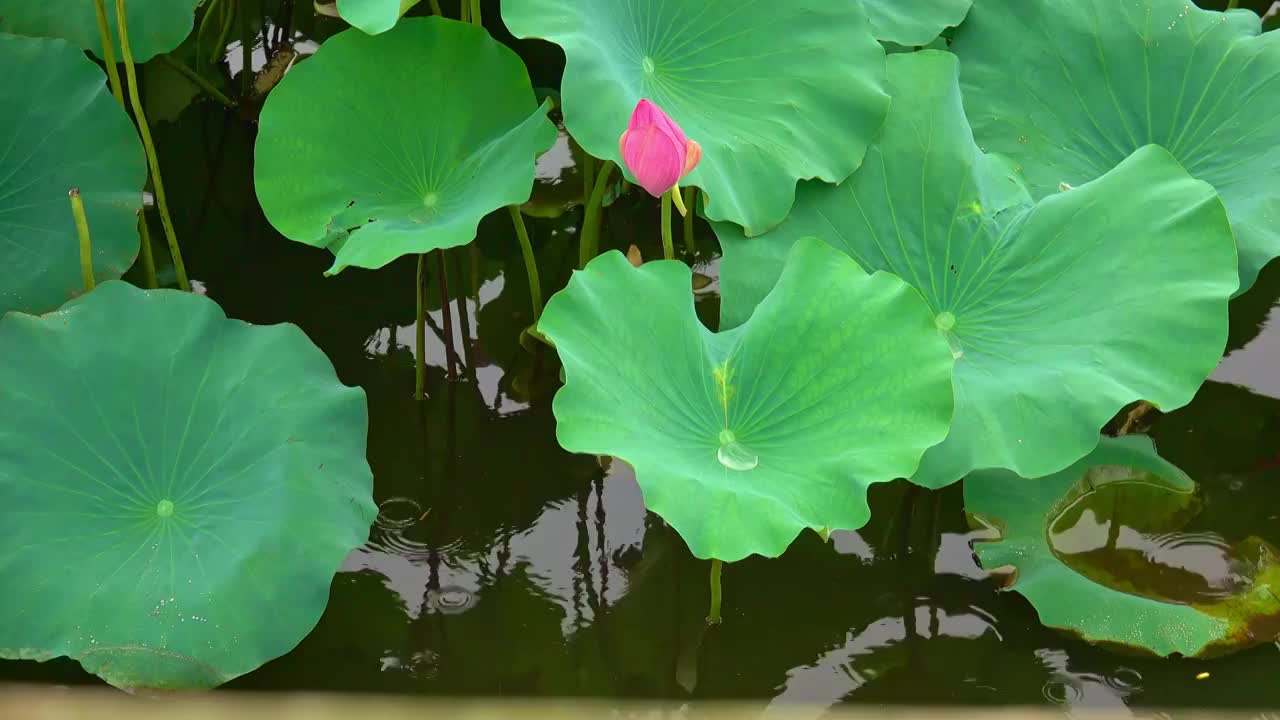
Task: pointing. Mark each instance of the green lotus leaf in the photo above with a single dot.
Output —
(176, 489)
(1068, 89)
(914, 22)
(773, 91)
(61, 129)
(155, 26)
(374, 16)
(742, 439)
(345, 159)
(1058, 313)
(1071, 539)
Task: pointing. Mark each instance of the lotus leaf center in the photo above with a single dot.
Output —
(733, 455)
(164, 508)
(647, 65)
(945, 321)
(431, 200)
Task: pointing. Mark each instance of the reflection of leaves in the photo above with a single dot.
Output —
(1071, 539)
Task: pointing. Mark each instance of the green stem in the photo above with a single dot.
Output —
(153, 161)
(668, 247)
(420, 370)
(530, 262)
(588, 179)
(199, 80)
(589, 243)
(475, 13)
(464, 10)
(246, 50)
(86, 247)
(714, 617)
(449, 354)
(690, 243)
(435, 8)
(229, 13)
(148, 258)
(1233, 4)
(204, 24)
(108, 50)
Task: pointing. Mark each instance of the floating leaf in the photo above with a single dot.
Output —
(742, 439)
(1069, 89)
(344, 147)
(773, 91)
(373, 16)
(1122, 491)
(63, 130)
(176, 489)
(1059, 314)
(914, 22)
(155, 26)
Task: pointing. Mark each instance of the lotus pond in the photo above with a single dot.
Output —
(878, 351)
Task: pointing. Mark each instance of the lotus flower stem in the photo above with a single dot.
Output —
(108, 50)
(451, 357)
(588, 179)
(690, 243)
(714, 617)
(589, 243)
(668, 247)
(530, 261)
(148, 257)
(198, 80)
(153, 161)
(420, 362)
(86, 247)
(475, 13)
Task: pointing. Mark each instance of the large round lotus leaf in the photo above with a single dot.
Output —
(914, 22)
(155, 26)
(176, 489)
(773, 91)
(374, 16)
(1068, 89)
(742, 439)
(398, 144)
(61, 129)
(1062, 533)
(1058, 313)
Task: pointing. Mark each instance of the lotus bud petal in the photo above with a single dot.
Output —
(655, 149)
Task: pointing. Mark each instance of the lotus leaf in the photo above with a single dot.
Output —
(155, 26)
(346, 158)
(1056, 313)
(1068, 89)
(1123, 490)
(176, 489)
(914, 22)
(374, 16)
(742, 439)
(773, 91)
(61, 130)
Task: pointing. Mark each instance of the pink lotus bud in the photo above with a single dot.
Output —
(656, 150)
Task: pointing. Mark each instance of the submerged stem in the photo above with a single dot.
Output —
(668, 247)
(148, 258)
(714, 617)
(199, 80)
(86, 247)
(589, 243)
(420, 362)
(690, 243)
(152, 160)
(108, 50)
(530, 261)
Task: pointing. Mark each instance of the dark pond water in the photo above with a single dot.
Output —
(501, 565)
